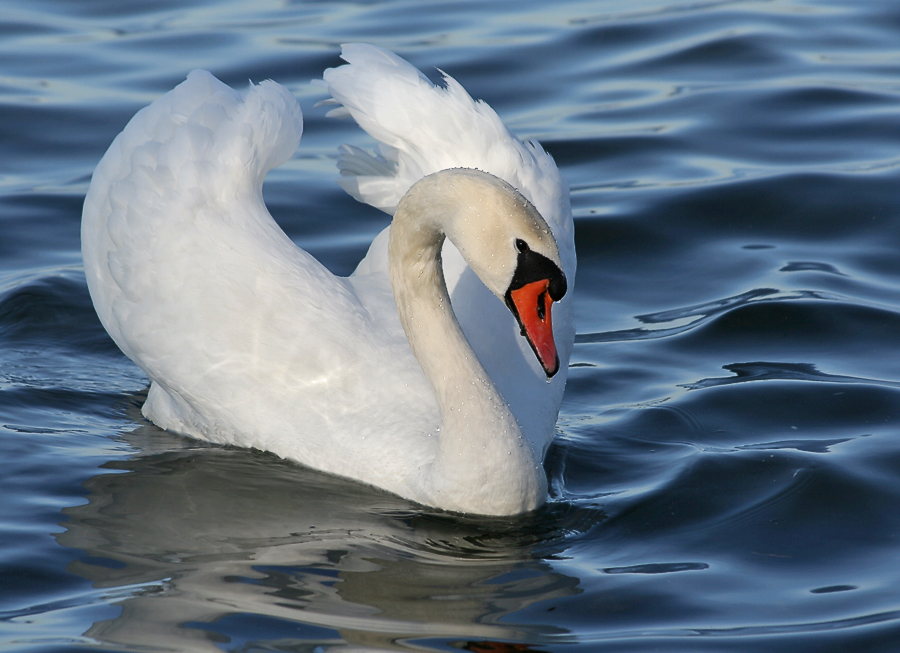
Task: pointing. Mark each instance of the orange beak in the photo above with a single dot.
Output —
(533, 304)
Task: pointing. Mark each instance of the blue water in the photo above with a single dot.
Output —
(726, 473)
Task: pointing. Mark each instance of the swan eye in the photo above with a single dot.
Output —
(521, 245)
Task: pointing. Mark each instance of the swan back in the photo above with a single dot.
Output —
(178, 167)
(247, 339)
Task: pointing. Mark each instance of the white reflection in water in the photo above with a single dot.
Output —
(200, 533)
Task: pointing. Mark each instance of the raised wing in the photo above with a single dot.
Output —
(421, 129)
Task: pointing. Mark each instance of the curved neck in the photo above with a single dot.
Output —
(484, 463)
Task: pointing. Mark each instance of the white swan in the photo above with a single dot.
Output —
(248, 340)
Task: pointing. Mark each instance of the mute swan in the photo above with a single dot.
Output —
(248, 340)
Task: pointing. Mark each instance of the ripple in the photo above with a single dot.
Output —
(691, 317)
(831, 589)
(658, 568)
(812, 266)
(804, 627)
(52, 310)
(764, 371)
(809, 446)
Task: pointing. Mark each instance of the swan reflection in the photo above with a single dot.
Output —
(208, 544)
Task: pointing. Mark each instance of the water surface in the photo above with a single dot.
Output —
(726, 472)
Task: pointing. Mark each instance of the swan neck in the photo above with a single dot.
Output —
(483, 459)
(434, 334)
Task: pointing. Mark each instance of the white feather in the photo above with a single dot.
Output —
(249, 340)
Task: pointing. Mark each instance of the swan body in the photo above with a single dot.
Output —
(411, 374)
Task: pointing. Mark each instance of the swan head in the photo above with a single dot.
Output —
(506, 242)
